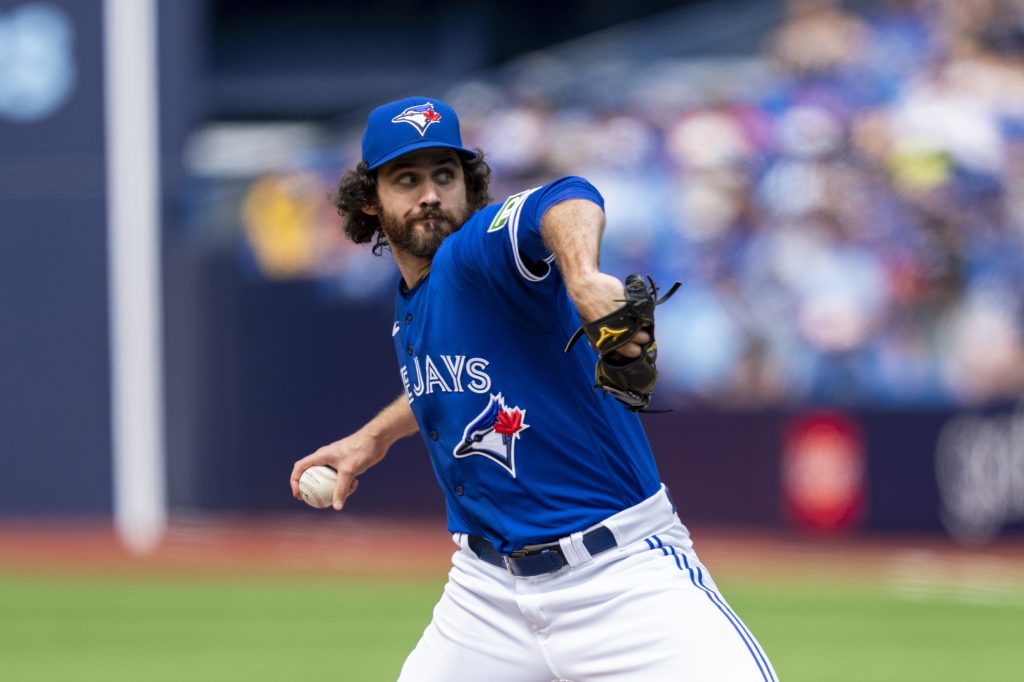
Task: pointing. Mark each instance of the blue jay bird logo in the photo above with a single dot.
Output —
(493, 434)
(420, 117)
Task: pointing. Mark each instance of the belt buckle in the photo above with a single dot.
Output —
(507, 559)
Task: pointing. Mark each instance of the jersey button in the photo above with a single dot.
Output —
(409, 350)
(408, 318)
(433, 435)
(459, 490)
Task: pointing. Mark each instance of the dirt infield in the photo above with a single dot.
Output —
(348, 546)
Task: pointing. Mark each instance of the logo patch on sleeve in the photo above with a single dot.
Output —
(493, 433)
(507, 209)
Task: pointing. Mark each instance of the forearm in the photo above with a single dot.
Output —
(394, 422)
(572, 231)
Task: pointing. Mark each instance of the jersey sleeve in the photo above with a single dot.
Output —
(521, 216)
(508, 248)
(502, 258)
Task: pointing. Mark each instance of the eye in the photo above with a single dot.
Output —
(445, 175)
(406, 179)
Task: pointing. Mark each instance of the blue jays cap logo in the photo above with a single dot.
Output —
(493, 434)
(386, 136)
(420, 117)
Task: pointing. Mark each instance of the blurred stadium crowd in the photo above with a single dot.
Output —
(845, 206)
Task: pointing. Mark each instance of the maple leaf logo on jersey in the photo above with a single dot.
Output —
(420, 117)
(493, 433)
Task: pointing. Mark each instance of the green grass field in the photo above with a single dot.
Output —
(198, 629)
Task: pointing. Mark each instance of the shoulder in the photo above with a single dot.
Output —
(475, 226)
(535, 200)
(569, 187)
(467, 239)
(505, 237)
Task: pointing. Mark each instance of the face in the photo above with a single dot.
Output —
(422, 200)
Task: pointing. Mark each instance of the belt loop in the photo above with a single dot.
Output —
(576, 553)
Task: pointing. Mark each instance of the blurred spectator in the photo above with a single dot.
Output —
(819, 36)
(847, 213)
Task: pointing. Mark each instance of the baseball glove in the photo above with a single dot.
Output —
(630, 380)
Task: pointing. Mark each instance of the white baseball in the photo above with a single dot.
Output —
(316, 485)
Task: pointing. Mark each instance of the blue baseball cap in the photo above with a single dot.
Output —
(409, 124)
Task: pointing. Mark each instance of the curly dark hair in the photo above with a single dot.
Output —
(358, 188)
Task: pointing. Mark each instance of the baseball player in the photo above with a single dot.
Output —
(572, 563)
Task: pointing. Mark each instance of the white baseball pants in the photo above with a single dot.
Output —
(645, 611)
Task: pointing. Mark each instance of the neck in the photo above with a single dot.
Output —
(413, 268)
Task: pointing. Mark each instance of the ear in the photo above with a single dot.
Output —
(370, 209)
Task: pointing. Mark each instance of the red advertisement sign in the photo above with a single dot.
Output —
(823, 472)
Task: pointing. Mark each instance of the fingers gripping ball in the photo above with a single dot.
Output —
(630, 380)
(316, 486)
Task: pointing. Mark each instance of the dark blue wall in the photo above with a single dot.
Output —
(54, 367)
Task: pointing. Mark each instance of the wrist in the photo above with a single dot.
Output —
(374, 433)
(596, 295)
(580, 282)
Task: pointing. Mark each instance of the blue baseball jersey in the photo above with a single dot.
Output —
(525, 449)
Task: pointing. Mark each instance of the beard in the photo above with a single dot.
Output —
(434, 225)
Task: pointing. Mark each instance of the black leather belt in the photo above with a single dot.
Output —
(542, 559)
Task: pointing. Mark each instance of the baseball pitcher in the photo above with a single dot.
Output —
(572, 563)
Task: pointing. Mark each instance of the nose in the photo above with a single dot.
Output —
(430, 196)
